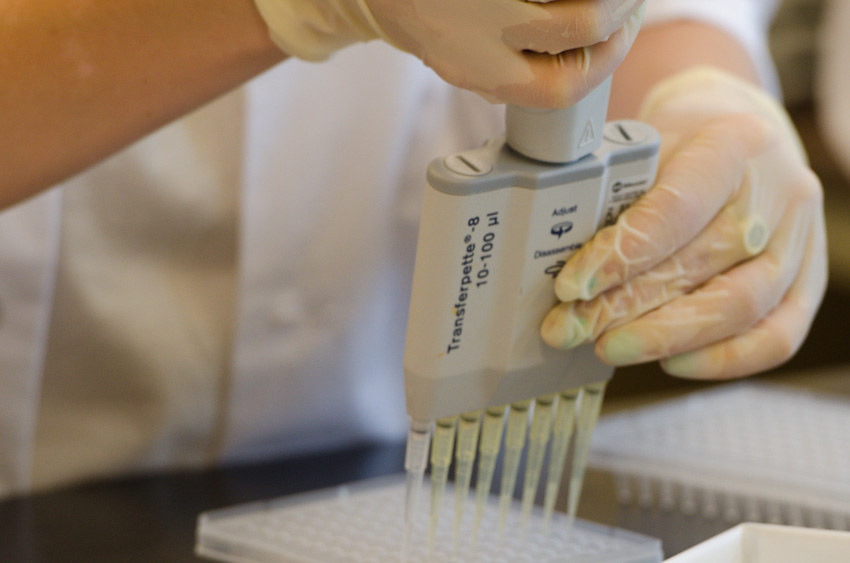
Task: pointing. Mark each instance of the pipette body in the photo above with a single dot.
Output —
(497, 225)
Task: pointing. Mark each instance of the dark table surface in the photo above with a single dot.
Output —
(153, 518)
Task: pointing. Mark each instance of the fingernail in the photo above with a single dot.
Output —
(681, 365)
(575, 286)
(755, 236)
(623, 348)
(563, 329)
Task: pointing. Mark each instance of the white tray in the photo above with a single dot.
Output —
(767, 543)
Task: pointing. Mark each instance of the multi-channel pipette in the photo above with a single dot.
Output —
(497, 225)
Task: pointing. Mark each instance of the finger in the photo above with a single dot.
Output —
(563, 79)
(566, 25)
(696, 184)
(724, 243)
(775, 339)
(726, 306)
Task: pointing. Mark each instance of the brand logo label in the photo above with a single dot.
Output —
(562, 228)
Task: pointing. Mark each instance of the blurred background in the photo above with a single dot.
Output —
(802, 49)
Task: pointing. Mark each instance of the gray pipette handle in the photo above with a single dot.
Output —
(560, 135)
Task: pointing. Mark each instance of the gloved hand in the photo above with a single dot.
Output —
(719, 269)
(539, 53)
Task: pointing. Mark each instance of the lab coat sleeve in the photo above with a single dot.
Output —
(747, 21)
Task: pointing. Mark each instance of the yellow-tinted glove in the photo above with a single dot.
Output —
(535, 54)
(719, 269)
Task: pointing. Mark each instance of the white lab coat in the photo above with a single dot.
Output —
(232, 287)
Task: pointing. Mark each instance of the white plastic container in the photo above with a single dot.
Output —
(740, 452)
(766, 543)
(364, 523)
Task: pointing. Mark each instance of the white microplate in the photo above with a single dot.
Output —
(364, 523)
(760, 451)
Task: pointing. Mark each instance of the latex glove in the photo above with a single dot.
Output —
(719, 269)
(536, 54)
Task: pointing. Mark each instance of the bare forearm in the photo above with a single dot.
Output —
(82, 79)
(663, 50)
